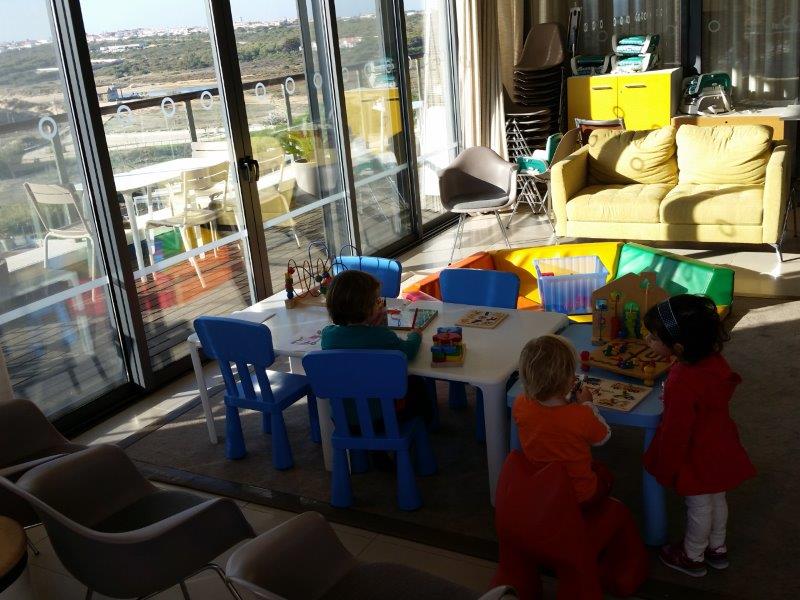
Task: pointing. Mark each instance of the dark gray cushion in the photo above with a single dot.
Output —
(478, 202)
(389, 581)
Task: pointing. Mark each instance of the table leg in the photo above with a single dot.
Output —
(203, 389)
(130, 205)
(655, 510)
(494, 406)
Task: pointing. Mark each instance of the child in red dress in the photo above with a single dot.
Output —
(696, 449)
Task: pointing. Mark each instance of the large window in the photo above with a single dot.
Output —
(165, 129)
(184, 152)
(288, 99)
(756, 42)
(57, 332)
(430, 62)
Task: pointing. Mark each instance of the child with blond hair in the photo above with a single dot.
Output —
(556, 419)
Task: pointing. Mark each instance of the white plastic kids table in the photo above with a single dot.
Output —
(491, 358)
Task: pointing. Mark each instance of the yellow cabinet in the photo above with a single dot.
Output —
(645, 100)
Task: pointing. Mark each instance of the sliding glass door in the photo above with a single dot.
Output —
(376, 128)
(291, 123)
(57, 330)
(174, 170)
(431, 86)
(163, 161)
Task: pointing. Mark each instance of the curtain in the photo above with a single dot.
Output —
(510, 24)
(755, 41)
(481, 101)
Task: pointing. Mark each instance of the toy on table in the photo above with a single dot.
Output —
(448, 348)
(313, 276)
(617, 328)
(483, 319)
(619, 305)
(633, 358)
(616, 395)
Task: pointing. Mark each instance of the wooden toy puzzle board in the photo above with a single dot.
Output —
(634, 349)
(617, 395)
(482, 319)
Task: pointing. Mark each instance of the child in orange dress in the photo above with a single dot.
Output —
(556, 428)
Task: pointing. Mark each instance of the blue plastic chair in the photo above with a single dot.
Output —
(371, 380)
(479, 287)
(233, 341)
(386, 270)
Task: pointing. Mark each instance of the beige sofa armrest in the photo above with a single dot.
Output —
(776, 194)
(567, 177)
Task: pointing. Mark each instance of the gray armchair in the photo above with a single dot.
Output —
(120, 535)
(279, 565)
(27, 439)
(478, 181)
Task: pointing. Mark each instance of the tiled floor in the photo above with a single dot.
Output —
(758, 273)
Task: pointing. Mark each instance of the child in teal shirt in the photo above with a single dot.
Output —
(356, 308)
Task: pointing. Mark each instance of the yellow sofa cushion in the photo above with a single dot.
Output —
(635, 203)
(713, 204)
(623, 157)
(723, 154)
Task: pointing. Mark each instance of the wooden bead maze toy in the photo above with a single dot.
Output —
(618, 308)
(313, 276)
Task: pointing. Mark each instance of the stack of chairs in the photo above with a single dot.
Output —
(537, 108)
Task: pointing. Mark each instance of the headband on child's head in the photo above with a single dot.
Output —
(668, 319)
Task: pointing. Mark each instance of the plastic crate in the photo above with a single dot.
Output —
(566, 284)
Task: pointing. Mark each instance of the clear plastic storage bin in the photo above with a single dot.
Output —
(566, 284)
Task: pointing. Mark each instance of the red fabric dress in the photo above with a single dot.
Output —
(696, 449)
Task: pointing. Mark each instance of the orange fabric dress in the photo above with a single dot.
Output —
(562, 434)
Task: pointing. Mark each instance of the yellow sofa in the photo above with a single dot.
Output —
(707, 184)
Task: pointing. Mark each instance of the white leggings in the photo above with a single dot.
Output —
(706, 520)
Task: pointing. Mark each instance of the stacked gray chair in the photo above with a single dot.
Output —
(278, 565)
(537, 109)
(478, 181)
(120, 535)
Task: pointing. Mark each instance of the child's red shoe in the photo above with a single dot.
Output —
(674, 556)
(718, 558)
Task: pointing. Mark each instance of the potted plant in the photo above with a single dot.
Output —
(313, 172)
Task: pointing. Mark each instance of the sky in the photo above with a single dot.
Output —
(27, 19)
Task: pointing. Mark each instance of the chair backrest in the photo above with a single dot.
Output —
(569, 143)
(195, 182)
(536, 509)
(236, 342)
(478, 170)
(25, 432)
(386, 270)
(45, 196)
(543, 49)
(537, 516)
(551, 145)
(586, 126)
(359, 376)
(202, 149)
(480, 287)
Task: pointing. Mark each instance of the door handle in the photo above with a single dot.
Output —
(601, 87)
(256, 168)
(245, 169)
(635, 85)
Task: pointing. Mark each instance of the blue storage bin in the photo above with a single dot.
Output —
(569, 282)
